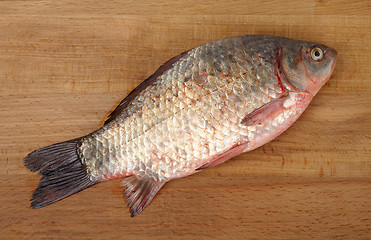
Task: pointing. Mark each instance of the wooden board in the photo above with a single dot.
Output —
(64, 66)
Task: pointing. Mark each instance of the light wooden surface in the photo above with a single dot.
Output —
(64, 66)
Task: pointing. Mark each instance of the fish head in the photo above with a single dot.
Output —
(306, 66)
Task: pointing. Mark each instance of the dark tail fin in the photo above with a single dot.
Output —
(62, 172)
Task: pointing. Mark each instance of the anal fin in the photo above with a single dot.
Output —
(139, 192)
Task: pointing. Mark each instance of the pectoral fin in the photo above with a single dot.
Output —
(139, 192)
(265, 112)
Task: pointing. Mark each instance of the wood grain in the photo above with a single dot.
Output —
(64, 66)
(207, 7)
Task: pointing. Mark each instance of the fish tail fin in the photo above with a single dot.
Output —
(62, 171)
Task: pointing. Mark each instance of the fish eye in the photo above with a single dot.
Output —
(316, 54)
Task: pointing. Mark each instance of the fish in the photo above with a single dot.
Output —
(199, 109)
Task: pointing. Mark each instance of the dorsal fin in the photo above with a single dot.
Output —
(124, 103)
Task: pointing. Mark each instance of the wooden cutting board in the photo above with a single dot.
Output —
(64, 66)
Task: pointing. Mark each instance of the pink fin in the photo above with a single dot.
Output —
(260, 115)
(139, 192)
(234, 151)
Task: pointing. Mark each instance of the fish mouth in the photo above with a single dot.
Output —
(334, 55)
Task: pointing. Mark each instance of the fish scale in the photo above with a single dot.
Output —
(234, 92)
(197, 110)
